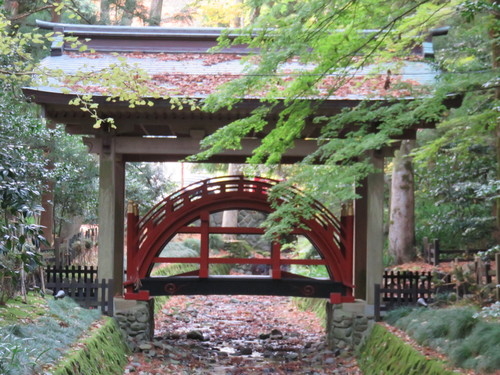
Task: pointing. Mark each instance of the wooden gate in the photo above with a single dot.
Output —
(188, 211)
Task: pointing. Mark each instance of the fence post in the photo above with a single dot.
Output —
(497, 266)
(110, 297)
(436, 252)
(414, 292)
(487, 272)
(425, 250)
(377, 302)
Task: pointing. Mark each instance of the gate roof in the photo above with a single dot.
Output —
(179, 64)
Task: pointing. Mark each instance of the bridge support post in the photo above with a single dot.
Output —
(369, 232)
(111, 215)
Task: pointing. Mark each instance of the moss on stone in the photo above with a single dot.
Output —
(103, 353)
(385, 353)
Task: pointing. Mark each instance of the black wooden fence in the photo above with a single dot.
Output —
(88, 294)
(402, 288)
(433, 254)
(77, 273)
(81, 284)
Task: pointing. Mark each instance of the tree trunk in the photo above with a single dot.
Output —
(11, 7)
(230, 218)
(55, 16)
(155, 12)
(47, 215)
(402, 216)
(104, 16)
(494, 35)
(128, 12)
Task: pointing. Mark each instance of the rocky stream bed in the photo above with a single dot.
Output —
(237, 335)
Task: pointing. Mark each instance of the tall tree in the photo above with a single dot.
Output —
(402, 216)
(128, 12)
(457, 181)
(155, 12)
(104, 17)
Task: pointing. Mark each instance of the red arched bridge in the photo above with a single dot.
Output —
(190, 211)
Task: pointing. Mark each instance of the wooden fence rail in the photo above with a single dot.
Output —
(394, 282)
(401, 289)
(433, 254)
(88, 294)
(78, 273)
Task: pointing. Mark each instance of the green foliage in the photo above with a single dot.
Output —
(146, 184)
(456, 163)
(75, 175)
(24, 169)
(385, 353)
(178, 249)
(316, 305)
(192, 243)
(26, 347)
(468, 341)
(19, 237)
(331, 37)
(104, 352)
(239, 249)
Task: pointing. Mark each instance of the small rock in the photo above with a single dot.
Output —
(276, 332)
(330, 361)
(264, 336)
(246, 351)
(292, 356)
(195, 335)
(145, 346)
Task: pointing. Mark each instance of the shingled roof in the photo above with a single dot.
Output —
(180, 64)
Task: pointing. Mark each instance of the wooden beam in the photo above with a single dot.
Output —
(175, 149)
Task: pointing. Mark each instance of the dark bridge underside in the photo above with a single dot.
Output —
(230, 285)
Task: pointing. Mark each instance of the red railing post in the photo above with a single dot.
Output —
(132, 244)
(347, 233)
(204, 244)
(276, 260)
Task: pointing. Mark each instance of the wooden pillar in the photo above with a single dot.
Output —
(111, 215)
(374, 227)
(360, 216)
(369, 232)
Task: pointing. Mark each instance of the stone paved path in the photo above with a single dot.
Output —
(244, 335)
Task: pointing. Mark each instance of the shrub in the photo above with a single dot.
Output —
(458, 332)
(192, 243)
(25, 347)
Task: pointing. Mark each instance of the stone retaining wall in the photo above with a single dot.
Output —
(136, 320)
(347, 325)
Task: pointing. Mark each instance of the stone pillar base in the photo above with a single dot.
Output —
(347, 325)
(136, 320)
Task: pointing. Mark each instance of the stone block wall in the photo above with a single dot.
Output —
(136, 320)
(347, 327)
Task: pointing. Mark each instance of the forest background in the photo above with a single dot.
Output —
(447, 181)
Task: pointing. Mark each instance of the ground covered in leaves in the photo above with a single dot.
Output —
(237, 335)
